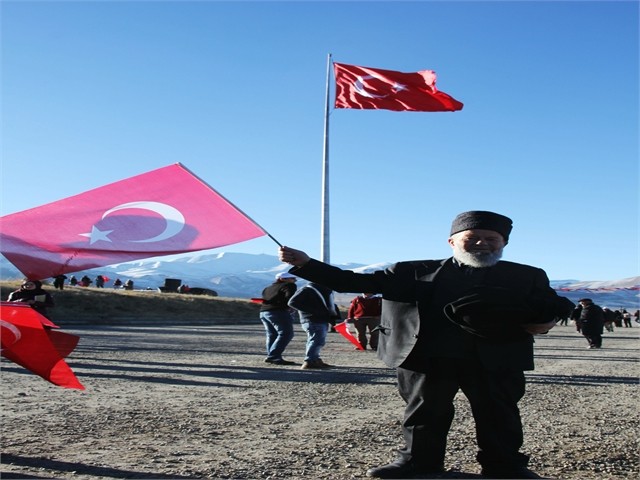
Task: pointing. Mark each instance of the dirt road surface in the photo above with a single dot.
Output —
(187, 402)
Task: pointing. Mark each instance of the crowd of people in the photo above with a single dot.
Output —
(465, 322)
(591, 320)
(86, 281)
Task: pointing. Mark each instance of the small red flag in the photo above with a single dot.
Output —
(26, 342)
(162, 212)
(343, 329)
(374, 88)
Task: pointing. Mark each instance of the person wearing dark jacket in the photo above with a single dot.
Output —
(58, 281)
(591, 322)
(32, 293)
(277, 318)
(317, 310)
(609, 318)
(465, 322)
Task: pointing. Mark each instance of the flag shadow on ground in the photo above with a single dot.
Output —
(580, 380)
(75, 468)
(214, 375)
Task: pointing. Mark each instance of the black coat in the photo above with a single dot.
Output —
(43, 299)
(591, 320)
(413, 324)
(277, 295)
(314, 304)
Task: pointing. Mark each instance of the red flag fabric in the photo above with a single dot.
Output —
(63, 342)
(26, 342)
(343, 329)
(162, 212)
(374, 88)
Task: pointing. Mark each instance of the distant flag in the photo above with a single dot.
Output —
(374, 88)
(26, 342)
(161, 212)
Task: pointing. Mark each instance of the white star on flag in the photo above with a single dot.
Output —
(97, 234)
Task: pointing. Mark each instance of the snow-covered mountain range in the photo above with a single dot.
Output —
(242, 275)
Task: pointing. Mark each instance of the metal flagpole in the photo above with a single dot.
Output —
(324, 228)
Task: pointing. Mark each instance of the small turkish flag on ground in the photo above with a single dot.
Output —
(26, 342)
(343, 329)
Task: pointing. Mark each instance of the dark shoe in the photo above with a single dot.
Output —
(403, 469)
(278, 361)
(518, 473)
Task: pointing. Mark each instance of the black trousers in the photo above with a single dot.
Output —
(493, 396)
(594, 339)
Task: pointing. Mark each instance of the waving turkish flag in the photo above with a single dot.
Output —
(26, 342)
(162, 212)
(374, 88)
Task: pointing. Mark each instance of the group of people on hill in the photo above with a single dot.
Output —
(31, 292)
(85, 281)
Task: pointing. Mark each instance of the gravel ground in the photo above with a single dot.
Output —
(192, 402)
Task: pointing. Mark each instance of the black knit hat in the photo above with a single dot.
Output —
(478, 219)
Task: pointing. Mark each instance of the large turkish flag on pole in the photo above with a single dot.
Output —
(162, 212)
(26, 342)
(374, 88)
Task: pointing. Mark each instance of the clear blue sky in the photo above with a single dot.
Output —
(94, 92)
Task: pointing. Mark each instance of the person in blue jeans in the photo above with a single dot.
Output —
(277, 318)
(314, 303)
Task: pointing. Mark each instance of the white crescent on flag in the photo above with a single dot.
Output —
(174, 221)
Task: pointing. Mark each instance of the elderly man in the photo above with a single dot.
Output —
(464, 322)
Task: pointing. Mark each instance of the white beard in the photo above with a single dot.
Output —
(477, 259)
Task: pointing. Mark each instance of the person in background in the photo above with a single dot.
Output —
(618, 318)
(117, 283)
(590, 322)
(99, 281)
(466, 322)
(128, 285)
(58, 281)
(317, 310)
(626, 318)
(73, 281)
(32, 293)
(365, 311)
(85, 281)
(609, 317)
(277, 317)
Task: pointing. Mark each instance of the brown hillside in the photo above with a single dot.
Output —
(106, 306)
